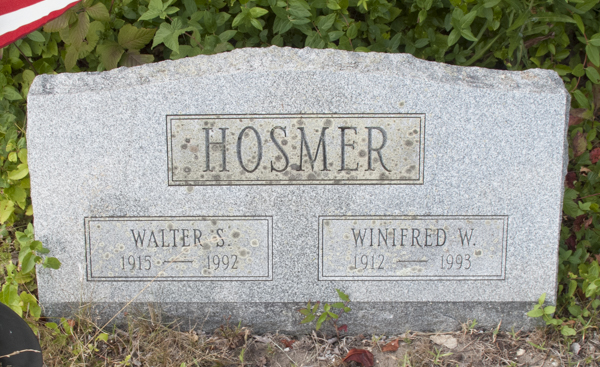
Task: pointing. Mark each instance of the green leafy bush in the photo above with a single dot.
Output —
(96, 35)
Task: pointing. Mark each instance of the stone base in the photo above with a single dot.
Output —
(365, 318)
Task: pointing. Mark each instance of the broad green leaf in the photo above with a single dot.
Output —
(552, 17)
(454, 37)
(60, 22)
(29, 303)
(468, 19)
(277, 40)
(535, 313)
(11, 93)
(190, 6)
(155, 8)
(333, 5)
(422, 16)
(17, 194)
(110, 53)
(593, 54)
(343, 296)
(21, 171)
(104, 338)
(578, 70)
(305, 311)
(71, 57)
(169, 34)
(320, 320)
(238, 19)
(227, 35)
(257, 12)
(158, 5)
(150, 14)
(307, 319)
(77, 33)
(28, 262)
(466, 33)
(134, 58)
(7, 207)
(98, 11)
(586, 5)
(571, 208)
(256, 24)
(315, 308)
(549, 310)
(567, 331)
(521, 19)
(133, 38)
(542, 299)
(575, 310)
(352, 31)
(325, 22)
(36, 245)
(28, 76)
(579, 23)
(581, 99)
(51, 262)
(592, 74)
(36, 36)
(491, 3)
(595, 39)
(221, 18)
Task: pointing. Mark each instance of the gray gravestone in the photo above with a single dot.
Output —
(248, 183)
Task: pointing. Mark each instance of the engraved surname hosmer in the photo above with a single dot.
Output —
(412, 247)
(295, 149)
(193, 248)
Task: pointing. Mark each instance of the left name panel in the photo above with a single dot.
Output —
(178, 248)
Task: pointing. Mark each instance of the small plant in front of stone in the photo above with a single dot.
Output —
(547, 314)
(311, 312)
(19, 278)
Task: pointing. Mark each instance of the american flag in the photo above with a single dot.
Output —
(20, 17)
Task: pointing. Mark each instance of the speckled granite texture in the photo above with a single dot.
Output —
(470, 231)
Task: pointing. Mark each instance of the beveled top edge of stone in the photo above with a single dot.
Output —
(300, 60)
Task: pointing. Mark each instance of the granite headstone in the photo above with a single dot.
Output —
(247, 183)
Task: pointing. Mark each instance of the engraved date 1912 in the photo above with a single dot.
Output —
(372, 262)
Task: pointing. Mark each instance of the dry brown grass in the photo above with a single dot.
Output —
(148, 342)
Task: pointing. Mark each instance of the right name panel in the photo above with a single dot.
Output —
(412, 247)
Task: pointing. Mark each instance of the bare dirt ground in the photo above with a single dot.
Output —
(144, 343)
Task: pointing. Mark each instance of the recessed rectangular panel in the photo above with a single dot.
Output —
(178, 248)
(412, 247)
(296, 149)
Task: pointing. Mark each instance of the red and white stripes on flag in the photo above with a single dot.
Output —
(20, 17)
